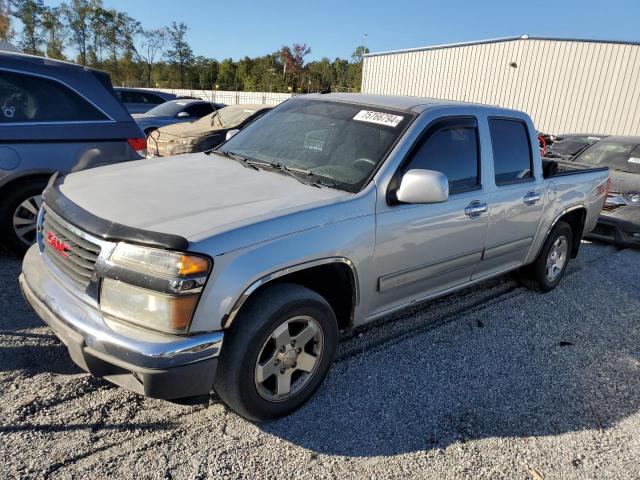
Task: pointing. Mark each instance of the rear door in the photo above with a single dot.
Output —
(425, 249)
(517, 200)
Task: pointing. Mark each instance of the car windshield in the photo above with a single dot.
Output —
(618, 156)
(168, 109)
(229, 117)
(340, 143)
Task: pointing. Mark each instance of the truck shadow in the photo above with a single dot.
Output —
(525, 365)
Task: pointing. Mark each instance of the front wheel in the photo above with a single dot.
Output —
(544, 274)
(18, 215)
(277, 352)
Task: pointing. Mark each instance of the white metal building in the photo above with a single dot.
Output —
(581, 86)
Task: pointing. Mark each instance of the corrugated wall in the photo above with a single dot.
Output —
(566, 86)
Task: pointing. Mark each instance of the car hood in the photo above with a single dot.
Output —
(621, 182)
(196, 196)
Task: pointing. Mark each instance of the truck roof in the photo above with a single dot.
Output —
(401, 102)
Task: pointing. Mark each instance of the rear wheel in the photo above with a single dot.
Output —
(546, 271)
(277, 353)
(18, 215)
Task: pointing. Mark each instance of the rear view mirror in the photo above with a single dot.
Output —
(183, 115)
(231, 133)
(423, 186)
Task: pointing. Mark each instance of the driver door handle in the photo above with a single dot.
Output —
(531, 197)
(475, 209)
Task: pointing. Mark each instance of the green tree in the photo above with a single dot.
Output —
(180, 55)
(227, 75)
(79, 15)
(29, 12)
(55, 32)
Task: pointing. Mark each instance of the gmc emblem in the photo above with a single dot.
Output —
(57, 244)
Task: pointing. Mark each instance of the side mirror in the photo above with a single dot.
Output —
(183, 115)
(423, 186)
(231, 133)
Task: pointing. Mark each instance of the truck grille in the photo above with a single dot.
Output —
(74, 256)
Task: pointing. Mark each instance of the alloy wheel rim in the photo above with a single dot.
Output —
(557, 258)
(25, 219)
(289, 358)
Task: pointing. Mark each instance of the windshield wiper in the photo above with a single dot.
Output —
(292, 172)
(245, 162)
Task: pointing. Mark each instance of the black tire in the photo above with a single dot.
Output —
(534, 276)
(10, 202)
(236, 380)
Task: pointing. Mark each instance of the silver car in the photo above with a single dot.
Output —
(235, 270)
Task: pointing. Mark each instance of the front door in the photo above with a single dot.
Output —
(424, 249)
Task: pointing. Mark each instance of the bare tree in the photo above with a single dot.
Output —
(151, 47)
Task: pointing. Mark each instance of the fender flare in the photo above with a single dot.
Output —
(228, 319)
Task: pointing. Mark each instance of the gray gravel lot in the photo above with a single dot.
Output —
(493, 382)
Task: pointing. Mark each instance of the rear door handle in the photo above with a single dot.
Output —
(531, 197)
(475, 209)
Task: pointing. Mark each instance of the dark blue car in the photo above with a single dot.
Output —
(54, 117)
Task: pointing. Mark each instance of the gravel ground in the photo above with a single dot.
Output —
(493, 382)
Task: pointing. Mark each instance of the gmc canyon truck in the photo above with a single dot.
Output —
(235, 270)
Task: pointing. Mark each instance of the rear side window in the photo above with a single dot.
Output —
(152, 99)
(199, 109)
(28, 98)
(452, 150)
(511, 151)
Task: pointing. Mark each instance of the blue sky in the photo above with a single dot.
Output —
(335, 27)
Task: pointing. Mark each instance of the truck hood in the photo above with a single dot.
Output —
(195, 196)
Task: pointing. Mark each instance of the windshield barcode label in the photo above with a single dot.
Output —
(378, 117)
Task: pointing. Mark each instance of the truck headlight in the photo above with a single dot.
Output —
(153, 288)
(168, 313)
(162, 262)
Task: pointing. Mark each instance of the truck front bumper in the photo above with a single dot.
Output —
(152, 364)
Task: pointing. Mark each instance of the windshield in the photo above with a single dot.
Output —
(229, 117)
(167, 109)
(339, 142)
(618, 156)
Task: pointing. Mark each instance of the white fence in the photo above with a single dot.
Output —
(230, 97)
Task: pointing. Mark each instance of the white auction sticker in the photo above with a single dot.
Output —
(634, 160)
(380, 118)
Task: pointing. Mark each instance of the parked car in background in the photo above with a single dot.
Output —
(138, 100)
(54, 117)
(204, 134)
(236, 269)
(619, 221)
(568, 146)
(174, 111)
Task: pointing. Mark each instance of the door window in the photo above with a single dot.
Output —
(511, 151)
(29, 98)
(451, 148)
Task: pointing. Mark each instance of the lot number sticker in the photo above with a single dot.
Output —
(380, 118)
(634, 160)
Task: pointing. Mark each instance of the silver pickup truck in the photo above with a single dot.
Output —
(235, 270)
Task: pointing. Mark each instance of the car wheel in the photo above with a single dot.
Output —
(544, 274)
(19, 214)
(277, 352)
